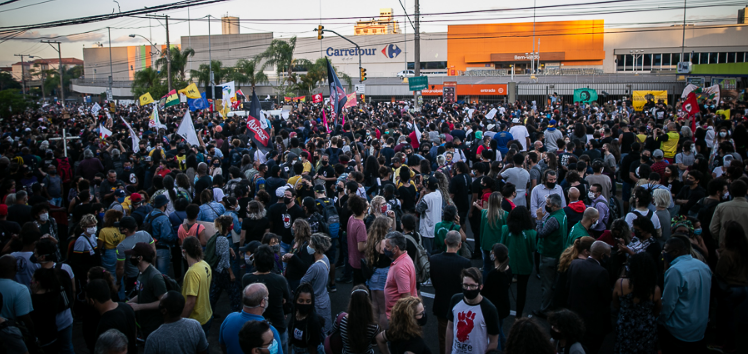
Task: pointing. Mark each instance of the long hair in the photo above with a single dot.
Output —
(304, 288)
(223, 223)
(169, 186)
(519, 220)
(255, 210)
(377, 231)
(302, 231)
(643, 276)
(376, 205)
(403, 324)
(569, 324)
(552, 163)
(527, 337)
(573, 251)
(443, 183)
(494, 212)
(360, 317)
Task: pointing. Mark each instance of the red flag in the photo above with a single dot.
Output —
(690, 104)
(317, 98)
(260, 134)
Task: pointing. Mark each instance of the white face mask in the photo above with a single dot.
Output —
(591, 195)
(44, 217)
(91, 230)
(248, 259)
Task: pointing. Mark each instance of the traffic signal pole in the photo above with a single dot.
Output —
(320, 30)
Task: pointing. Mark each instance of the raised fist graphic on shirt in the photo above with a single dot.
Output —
(465, 325)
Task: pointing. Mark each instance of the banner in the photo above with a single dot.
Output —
(95, 109)
(145, 99)
(317, 98)
(350, 100)
(133, 137)
(253, 123)
(585, 95)
(196, 104)
(702, 93)
(154, 122)
(187, 130)
(191, 91)
(171, 99)
(639, 98)
(337, 94)
(104, 132)
(690, 105)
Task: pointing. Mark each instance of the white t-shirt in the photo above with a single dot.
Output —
(472, 325)
(519, 133)
(432, 215)
(81, 245)
(631, 216)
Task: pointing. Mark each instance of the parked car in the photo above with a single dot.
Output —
(405, 73)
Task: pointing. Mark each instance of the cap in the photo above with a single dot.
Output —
(515, 120)
(478, 135)
(280, 191)
(319, 188)
(127, 222)
(3, 210)
(160, 201)
(250, 247)
(432, 183)
(658, 153)
(552, 122)
(136, 198)
(490, 127)
(140, 249)
(119, 193)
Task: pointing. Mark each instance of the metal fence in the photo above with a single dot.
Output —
(540, 92)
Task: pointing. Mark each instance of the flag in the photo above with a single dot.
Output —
(324, 118)
(145, 99)
(287, 99)
(690, 105)
(350, 100)
(133, 137)
(191, 91)
(337, 95)
(712, 92)
(171, 99)
(196, 104)
(240, 93)
(418, 133)
(95, 109)
(489, 115)
(260, 135)
(187, 130)
(104, 132)
(317, 98)
(585, 95)
(154, 121)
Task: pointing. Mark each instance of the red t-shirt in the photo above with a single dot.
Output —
(356, 232)
(401, 280)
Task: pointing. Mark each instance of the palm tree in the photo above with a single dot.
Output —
(179, 60)
(52, 81)
(280, 54)
(220, 73)
(148, 80)
(248, 72)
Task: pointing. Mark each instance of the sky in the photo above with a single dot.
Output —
(300, 17)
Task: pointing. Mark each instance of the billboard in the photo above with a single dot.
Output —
(639, 98)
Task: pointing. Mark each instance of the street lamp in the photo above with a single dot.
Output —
(153, 46)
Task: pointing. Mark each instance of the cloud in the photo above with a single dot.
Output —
(81, 37)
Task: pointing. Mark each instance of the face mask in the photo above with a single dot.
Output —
(548, 209)
(471, 294)
(134, 261)
(53, 172)
(723, 134)
(128, 168)
(556, 335)
(667, 258)
(423, 320)
(550, 185)
(491, 257)
(310, 250)
(698, 231)
(276, 248)
(44, 217)
(91, 230)
(248, 259)
(594, 224)
(273, 348)
(101, 215)
(726, 195)
(33, 259)
(688, 182)
(304, 309)
(324, 162)
(120, 199)
(388, 253)
(591, 195)
(286, 200)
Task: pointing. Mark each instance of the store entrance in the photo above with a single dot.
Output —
(520, 68)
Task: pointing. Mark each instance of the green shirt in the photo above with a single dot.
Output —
(521, 249)
(490, 234)
(578, 230)
(440, 232)
(552, 245)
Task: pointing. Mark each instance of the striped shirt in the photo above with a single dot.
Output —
(372, 330)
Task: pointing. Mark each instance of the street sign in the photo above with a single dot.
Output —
(360, 89)
(418, 83)
(684, 67)
(109, 95)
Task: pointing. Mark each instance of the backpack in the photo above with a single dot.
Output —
(236, 156)
(63, 168)
(171, 284)
(421, 262)
(333, 155)
(649, 215)
(66, 297)
(615, 210)
(330, 215)
(259, 183)
(211, 257)
(148, 227)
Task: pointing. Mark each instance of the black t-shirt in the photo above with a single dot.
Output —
(282, 218)
(202, 183)
(327, 172)
(278, 290)
(414, 345)
(19, 213)
(254, 229)
(45, 310)
(122, 318)
(306, 332)
(497, 290)
(477, 188)
(408, 197)
(150, 287)
(628, 139)
(388, 152)
(460, 187)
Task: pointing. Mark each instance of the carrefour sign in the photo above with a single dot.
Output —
(391, 51)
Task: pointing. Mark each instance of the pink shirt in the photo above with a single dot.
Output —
(356, 232)
(401, 280)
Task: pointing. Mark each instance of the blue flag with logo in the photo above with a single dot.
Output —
(198, 103)
(337, 95)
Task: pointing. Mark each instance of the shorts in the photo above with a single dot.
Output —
(378, 279)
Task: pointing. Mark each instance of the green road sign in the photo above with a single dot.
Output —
(418, 83)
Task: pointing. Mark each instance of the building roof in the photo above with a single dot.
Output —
(73, 61)
(26, 63)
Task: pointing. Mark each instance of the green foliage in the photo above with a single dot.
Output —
(52, 79)
(7, 81)
(220, 73)
(149, 80)
(12, 102)
(280, 54)
(248, 72)
(179, 62)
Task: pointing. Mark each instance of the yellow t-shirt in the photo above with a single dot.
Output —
(307, 167)
(641, 138)
(197, 283)
(111, 237)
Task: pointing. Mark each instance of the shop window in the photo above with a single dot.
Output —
(620, 62)
(704, 58)
(713, 58)
(657, 61)
(638, 62)
(647, 60)
(731, 57)
(666, 59)
(722, 57)
(742, 56)
(628, 61)
(695, 59)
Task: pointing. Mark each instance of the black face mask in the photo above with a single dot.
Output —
(339, 189)
(286, 200)
(33, 259)
(134, 261)
(550, 185)
(548, 209)
(423, 320)
(304, 309)
(471, 294)
(324, 162)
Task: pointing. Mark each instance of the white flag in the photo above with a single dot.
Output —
(133, 137)
(95, 108)
(491, 114)
(187, 130)
(418, 133)
(104, 132)
(154, 121)
(470, 112)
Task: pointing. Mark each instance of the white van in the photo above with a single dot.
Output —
(406, 73)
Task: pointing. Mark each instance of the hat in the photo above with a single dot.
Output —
(515, 120)
(136, 198)
(127, 222)
(319, 188)
(3, 210)
(250, 247)
(160, 201)
(141, 249)
(658, 153)
(119, 193)
(490, 127)
(478, 135)
(552, 122)
(432, 183)
(280, 191)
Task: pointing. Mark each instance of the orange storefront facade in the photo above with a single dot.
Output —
(509, 45)
(469, 90)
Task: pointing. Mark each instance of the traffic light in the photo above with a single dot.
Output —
(362, 74)
(362, 98)
(319, 32)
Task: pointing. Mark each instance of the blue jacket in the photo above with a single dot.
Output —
(229, 333)
(210, 211)
(161, 228)
(686, 298)
(177, 218)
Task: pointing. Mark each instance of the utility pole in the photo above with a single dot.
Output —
(23, 71)
(417, 54)
(59, 68)
(683, 32)
(210, 62)
(111, 72)
(168, 52)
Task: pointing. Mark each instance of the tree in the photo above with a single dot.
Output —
(179, 61)
(7, 81)
(149, 80)
(248, 72)
(280, 54)
(12, 102)
(220, 73)
(52, 82)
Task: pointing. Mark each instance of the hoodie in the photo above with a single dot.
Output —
(574, 212)
(603, 213)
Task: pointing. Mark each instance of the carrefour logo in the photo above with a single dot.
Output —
(390, 51)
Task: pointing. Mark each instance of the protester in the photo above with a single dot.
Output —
(470, 307)
(176, 334)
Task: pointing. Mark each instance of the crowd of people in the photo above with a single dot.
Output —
(635, 223)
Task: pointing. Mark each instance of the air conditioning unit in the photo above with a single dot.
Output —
(684, 67)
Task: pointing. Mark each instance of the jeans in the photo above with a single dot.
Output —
(207, 327)
(237, 262)
(109, 260)
(522, 291)
(669, 343)
(343, 242)
(65, 337)
(285, 341)
(163, 258)
(285, 248)
(502, 339)
(56, 201)
(298, 350)
(548, 271)
(488, 263)
(427, 242)
(441, 331)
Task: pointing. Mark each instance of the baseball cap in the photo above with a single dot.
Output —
(658, 153)
(160, 201)
(127, 222)
(432, 183)
(119, 193)
(319, 188)
(136, 198)
(3, 209)
(250, 247)
(140, 249)
(552, 122)
(280, 191)
(515, 120)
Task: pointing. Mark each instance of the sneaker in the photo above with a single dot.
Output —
(427, 283)
(332, 288)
